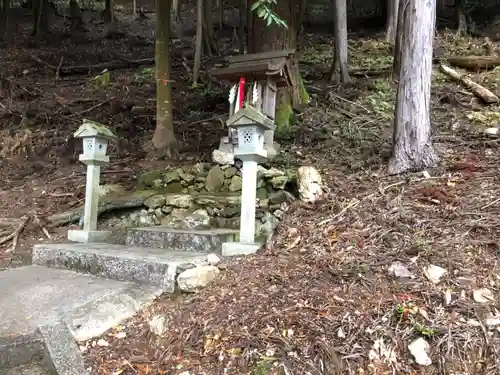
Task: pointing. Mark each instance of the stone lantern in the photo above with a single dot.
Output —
(95, 139)
(251, 128)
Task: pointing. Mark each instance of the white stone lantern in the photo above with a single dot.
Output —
(251, 126)
(95, 138)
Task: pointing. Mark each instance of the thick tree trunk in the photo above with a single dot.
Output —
(199, 41)
(461, 18)
(392, 21)
(109, 15)
(265, 38)
(340, 67)
(412, 144)
(176, 10)
(396, 66)
(164, 137)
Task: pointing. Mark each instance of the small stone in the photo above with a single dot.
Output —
(236, 184)
(157, 184)
(279, 214)
(466, 282)
(491, 131)
(278, 197)
(230, 172)
(159, 213)
(155, 201)
(198, 277)
(167, 209)
(171, 176)
(186, 176)
(279, 182)
(222, 158)
(483, 295)
(262, 193)
(102, 342)
(264, 203)
(269, 173)
(398, 269)
(310, 184)
(158, 325)
(215, 180)
(178, 200)
(230, 211)
(419, 349)
(341, 333)
(121, 335)
(426, 174)
(212, 259)
(493, 321)
(434, 273)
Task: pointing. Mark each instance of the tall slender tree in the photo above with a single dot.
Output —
(340, 66)
(412, 143)
(164, 137)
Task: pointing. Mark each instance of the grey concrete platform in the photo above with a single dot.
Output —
(44, 311)
(118, 262)
(193, 240)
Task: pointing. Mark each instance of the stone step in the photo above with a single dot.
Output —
(190, 240)
(143, 265)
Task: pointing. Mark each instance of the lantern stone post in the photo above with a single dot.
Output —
(95, 138)
(251, 126)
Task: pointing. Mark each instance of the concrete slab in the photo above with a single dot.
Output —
(45, 311)
(192, 240)
(32, 297)
(118, 262)
(237, 248)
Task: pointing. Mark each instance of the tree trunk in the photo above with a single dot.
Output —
(4, 17)
(177, 10)
(208, 28)
(412, 144)
(340, 67)
(461, 18)
(199, 41)
(392, 21)
(164, 137)
(241, 28)
(396, 65)
(40, 11)
(109, 15)
(265, 38)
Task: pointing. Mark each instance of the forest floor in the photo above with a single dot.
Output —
(324, 297)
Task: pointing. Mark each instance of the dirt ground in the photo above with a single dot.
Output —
(321, 298)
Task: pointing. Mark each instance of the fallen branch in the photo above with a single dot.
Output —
(42, 224)
(107, 204)
(481, 92)
(474, 63)
(97, 68)
(14, 236)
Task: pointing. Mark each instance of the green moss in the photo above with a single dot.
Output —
(304, 96)
(147, 179)
(283, 119)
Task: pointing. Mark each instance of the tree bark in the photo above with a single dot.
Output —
(243, 12)
(40, 10)
(412, 144)
(396, 67)
(461, 18)
(340, 66)
(176, 10)
(392, 21)
(4, 18)
(164, 137)
(208, 28)
(263, 38)
(199, 41)
(109, 15)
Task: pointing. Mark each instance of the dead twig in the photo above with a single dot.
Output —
(14, 236)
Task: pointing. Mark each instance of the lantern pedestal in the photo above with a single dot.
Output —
(247, 244)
